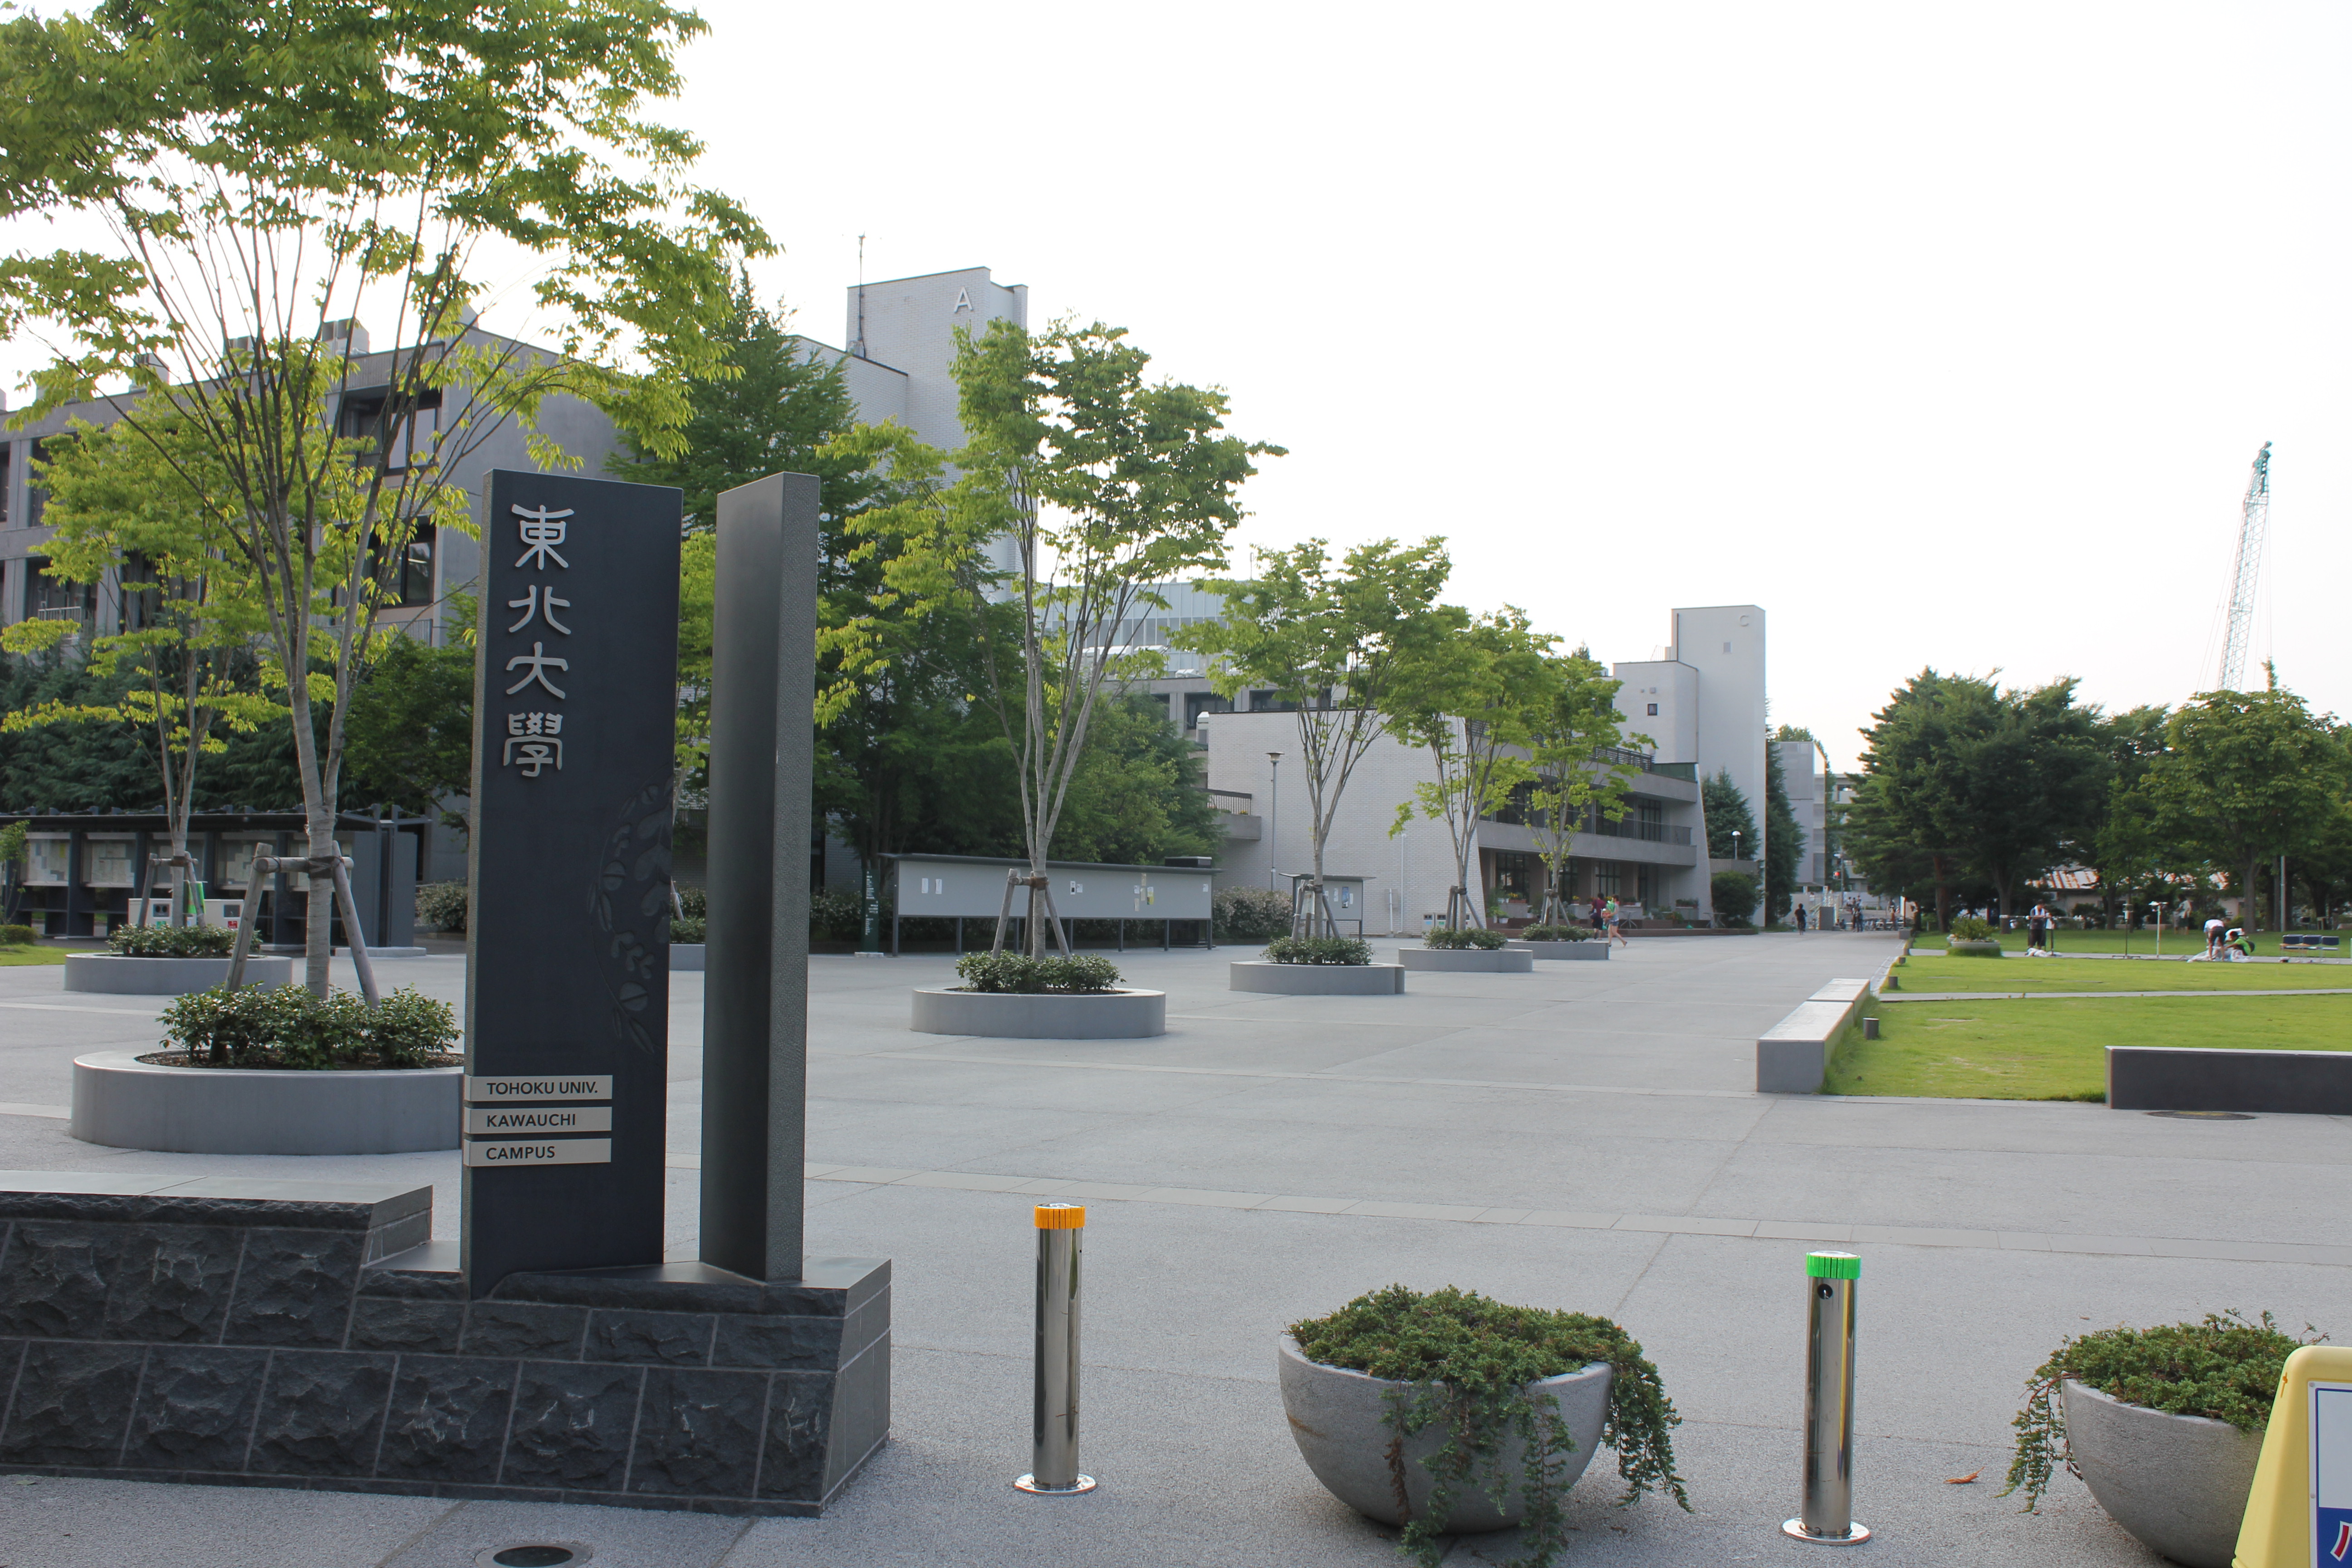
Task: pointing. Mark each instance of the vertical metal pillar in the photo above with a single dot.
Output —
(1826, 1516)
(1054, 1437)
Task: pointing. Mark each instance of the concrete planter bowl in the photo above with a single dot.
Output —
(1973, 949)
(125, 1103)
(685, 957)
(1471, 960)
(1042, 1016)
(1317, 979)
(116, 976)
(2178, 1483)
(1589, 951)
(1339, 1418)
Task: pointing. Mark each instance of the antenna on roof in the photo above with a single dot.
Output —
(858, 349)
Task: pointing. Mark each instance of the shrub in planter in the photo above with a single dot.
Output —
(15, 936)
(1735, 895)
(441, 906)
(1969, 928)
(1250, 913)
(1556, 933)
(172, 942)
(255, 1026)
(837, 915)
(686, 929)
(1017, 971)
(1319, 950)
(1470, 1361)
(1463, 937)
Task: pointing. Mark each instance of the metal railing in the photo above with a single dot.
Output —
(1634, 827)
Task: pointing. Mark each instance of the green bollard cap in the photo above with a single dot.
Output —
(1832, 1266)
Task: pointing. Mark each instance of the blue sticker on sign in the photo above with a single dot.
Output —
(2331, 1474)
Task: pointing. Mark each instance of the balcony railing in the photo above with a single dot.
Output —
(1634, 827)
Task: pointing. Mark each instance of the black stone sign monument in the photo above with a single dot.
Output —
(567, 995)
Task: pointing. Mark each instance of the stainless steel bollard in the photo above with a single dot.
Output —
(1054, 1446)
(1827, 1513)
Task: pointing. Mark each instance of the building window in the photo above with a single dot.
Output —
(417, 567)
(54, 599)
(1608, 877)
(1199, 703)
(1646, 886)
(413, 442)
(1654, 709)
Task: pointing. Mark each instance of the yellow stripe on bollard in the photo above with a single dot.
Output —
(1061, 1217)
(2289, 1492)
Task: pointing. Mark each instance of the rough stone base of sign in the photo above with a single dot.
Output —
(125, 1103)
(220, 1332)
(1469, 960)
(1048, 1015)
(116, 976)
(1315, 979)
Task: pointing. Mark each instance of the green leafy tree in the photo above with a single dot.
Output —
(267, 169)
(1334, 641)
(1571, 715)
(120, 509)
(1101, 484)
(410, 739)
(1725, 806)
(1471, 701)
(1140, 795)
(2246, 777)
(1784, 840)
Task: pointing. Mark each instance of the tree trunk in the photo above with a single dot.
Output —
(2250, 907)
(1943, 894)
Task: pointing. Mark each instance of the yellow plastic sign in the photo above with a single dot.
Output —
(2299, 1514)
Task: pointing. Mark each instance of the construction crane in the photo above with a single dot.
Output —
(2251, 525)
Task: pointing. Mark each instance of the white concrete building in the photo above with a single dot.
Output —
(1701, 701)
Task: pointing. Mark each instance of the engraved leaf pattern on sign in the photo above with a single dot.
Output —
(630, 900)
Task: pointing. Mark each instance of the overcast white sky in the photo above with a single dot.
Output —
(1945, 334)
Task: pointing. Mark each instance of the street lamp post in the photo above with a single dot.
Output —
(1273, 816)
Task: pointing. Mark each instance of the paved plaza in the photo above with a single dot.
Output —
(1582, 1138)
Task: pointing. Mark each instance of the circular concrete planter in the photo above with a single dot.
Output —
(1591, 950)
(113, 973)
(125, 1103)
(1339, 1418)
(1470, 960)
(2179, 1483)
(685, 957)
(1973, 949)
(1017, 1015)
(1317, 979)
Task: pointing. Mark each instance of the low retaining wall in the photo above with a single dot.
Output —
(125, 1103)
(686, 958)
(116, 976)
(1015, 1016)
(2188, 1077)
(1468, 960)
(1591, 948)
(1317, 979)
(1794, 1056)
(167, 1329)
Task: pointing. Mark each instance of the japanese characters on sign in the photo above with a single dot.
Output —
(534, 739)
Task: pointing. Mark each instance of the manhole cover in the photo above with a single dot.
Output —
(535, 1554)
(2205, 1115)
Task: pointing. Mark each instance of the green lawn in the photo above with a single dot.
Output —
(2176, 942)
(2054, 1049)
(11, 956)
(1921, 973)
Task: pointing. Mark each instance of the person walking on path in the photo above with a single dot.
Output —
(2037, 929)
(1801, 916)
(1610, 914)
(1598, 917)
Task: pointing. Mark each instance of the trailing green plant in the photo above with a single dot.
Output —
(286, 1026)
(1556, 933)
(687, 929)
(172, 942)
(1469, 1360)
(2224, 1369)
(1019, 972)
(1463, 937)
(1319, 950)
(441, 906)
(1250, 913)
(15, 936)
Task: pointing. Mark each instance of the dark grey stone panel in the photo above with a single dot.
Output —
(776, 1342)
(195, 1408)
(448, 1419)
(861, 1414)
(294, 1287)
(800, 1419)
(525, 1328)
(2188, 1078)
(699, 1432)
(321, 1414)
(160, 1283)
(666, 1286)
(864, 1325)
(398, 1324)
(572, 1425)
(655, 1339)
(72, 1405)
(427, 1272)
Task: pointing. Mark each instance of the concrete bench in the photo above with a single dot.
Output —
(1794, 1056)
(2189, 1077)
